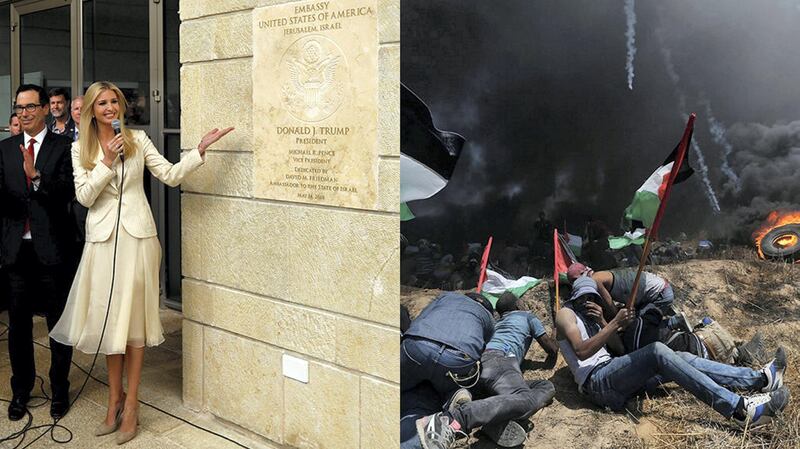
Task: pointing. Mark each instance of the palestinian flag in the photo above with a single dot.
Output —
(496, 284)
(644, 210)
(575, 243)
(428, 155)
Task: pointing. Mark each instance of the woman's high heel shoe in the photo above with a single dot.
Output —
(124, 437)
(105, 429)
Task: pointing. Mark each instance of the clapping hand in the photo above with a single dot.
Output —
(27, 162)
(211, 137)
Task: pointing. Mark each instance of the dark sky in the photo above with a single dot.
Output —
(539, 89)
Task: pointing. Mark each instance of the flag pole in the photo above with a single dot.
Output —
(684, 145)
(556, 250)
(484, 263)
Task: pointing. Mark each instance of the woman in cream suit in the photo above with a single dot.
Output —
(133, 320)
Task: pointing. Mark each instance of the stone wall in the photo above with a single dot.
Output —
(265, 277)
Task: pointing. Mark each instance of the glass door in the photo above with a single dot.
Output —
(41, 44)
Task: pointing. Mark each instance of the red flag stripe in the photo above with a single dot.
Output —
(484, 263)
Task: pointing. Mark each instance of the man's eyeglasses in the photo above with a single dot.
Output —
(28, 107)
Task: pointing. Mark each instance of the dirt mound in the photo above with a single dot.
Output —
(745, 296)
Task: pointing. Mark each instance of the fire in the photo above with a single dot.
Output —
(776, 219)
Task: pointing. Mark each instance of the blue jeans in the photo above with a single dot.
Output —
(425, 386)
(510, 397)
(426, 360)
(624, 377)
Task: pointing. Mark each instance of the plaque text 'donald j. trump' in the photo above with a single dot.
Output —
(315, 80)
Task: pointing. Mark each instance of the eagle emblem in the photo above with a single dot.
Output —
(312, 91)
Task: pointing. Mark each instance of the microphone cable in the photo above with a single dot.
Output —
(50, 428)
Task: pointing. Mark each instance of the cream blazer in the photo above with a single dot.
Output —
(98, 189)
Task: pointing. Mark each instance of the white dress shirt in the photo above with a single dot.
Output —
(36, 146)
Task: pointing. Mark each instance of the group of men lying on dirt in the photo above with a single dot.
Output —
(614, 354)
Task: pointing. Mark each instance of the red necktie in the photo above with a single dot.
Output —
(30, 151)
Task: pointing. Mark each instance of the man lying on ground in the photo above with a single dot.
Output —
(608, 381)
(439, 354)
(510, 396)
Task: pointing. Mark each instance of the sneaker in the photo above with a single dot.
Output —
(506, 434)
(774, 371)
(752, 352)
(760, 408)
(435, 432)
(460, 397)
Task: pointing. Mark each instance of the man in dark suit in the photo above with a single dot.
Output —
(35, 188)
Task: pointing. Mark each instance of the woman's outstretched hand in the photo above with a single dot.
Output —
(211, 137)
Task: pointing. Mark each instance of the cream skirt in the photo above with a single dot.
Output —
(133, 318)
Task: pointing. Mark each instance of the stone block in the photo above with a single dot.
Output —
(389, 185)
(368, 348)
(192, 365)
(323, 412)
(217, 37)
(298, 329)
(380, 407)
(201, 111)
(389, 100)
(190, 9)
(244, 383)
(389, 21)
(337, 260)
(224, 173)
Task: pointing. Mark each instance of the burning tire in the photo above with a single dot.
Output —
(782, 242)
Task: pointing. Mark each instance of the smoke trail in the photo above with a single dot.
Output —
(712, 197)
(666, 55)
(630, 36)
(718, 135)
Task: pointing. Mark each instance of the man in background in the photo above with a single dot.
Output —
(13, 125)
(59, 109)
(75, 113)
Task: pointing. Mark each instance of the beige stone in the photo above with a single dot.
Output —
(217, 95)
(217, 37)
(368, 348)
(389, 188)
(389, 20)
(224, 173)
(292, 327)
(389, 101)
(315, 82)
(192, 365)
(380, 407)
(191, 9)
(324, 412)
(337, 260)
(243, 382)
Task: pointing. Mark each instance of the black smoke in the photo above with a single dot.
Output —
(539, 89)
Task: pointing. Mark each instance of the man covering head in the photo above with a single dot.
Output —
(577, 270)
(610, 381)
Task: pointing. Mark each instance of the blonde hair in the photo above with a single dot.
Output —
(88, 140)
